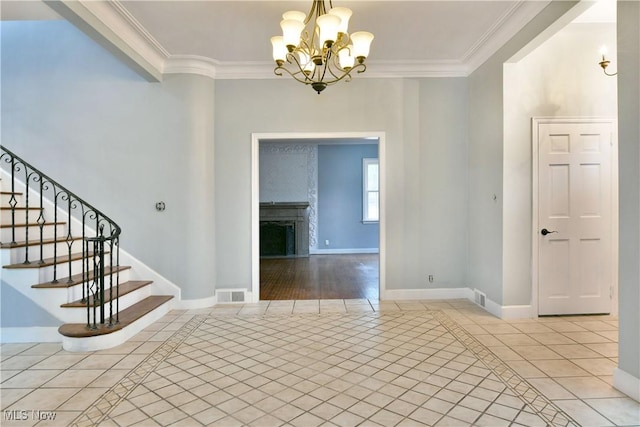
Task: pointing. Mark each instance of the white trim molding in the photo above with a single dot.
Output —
(254, 295)
(511, 21)
(190, 64)
(111, 24)
(344, 251)
(197, 303)
(427, 294)
(626, 383)
(507, 312)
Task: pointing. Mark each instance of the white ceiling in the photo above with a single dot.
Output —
(412, 38)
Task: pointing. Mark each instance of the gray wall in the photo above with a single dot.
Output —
(340, 198)
(17, 311)
(67, 101)
(629, 151)
(485, 162)
(121, 143)
(425, 139)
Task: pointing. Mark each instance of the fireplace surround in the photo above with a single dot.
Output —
(284, 229)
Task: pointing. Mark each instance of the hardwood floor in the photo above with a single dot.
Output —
(319, 277)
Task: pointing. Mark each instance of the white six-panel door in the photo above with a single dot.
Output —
(574, 207)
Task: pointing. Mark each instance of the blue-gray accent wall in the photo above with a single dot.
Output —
(340, 198)
(16, 310)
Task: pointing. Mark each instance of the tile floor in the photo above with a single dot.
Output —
(329, 362)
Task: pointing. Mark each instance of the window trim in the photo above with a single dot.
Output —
(366, 162)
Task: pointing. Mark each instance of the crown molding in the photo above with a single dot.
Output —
(511, 21)
(113, 22)
(415, 69)
(260, 70)
(111, 25)
(190, 64)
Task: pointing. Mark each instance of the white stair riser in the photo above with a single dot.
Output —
(19, 216)
(18, 255)
(61, 295)
(48, 232)
(79, 314)
(45, 274)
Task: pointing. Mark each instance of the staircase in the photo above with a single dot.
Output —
(64, 255)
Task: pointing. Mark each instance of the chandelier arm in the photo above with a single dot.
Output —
(360, 68)
(327, 65)
(293, 60)
(306, 80)
(336, 66)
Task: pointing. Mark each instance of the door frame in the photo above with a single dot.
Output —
(535, 220)
(255, 197)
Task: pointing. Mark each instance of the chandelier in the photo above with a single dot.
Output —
(316, 49)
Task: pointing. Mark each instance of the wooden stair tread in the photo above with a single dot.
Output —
(32, 224)
(127, 317)
(47, 262)
(76, 279)
(22, 244)
(20, 208)
(123, 289)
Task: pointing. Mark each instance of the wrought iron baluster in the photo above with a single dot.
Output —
(101, 275)
(85, 256)
(41, 221)
(87, 284)
(111, 283)
(55, 234)
(69, 238)
(117, 244)
(96, 284)
(13, 201)
(26, 216)
(93, 281)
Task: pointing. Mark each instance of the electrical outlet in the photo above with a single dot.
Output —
(431, 278)
(326, 242)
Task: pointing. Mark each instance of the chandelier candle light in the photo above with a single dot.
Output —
(316, 49)
(605, 62)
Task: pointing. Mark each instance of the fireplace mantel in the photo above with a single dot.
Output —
(289, 212)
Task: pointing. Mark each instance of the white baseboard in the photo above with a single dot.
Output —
(507, 312)
(627, 383)
(344, 251)
(424, 294)
(500, 311)
(30, 334)
(194, 304)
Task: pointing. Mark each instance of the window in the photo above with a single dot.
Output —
(370, 190)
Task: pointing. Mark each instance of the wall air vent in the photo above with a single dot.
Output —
(480, 298)
(231, 296)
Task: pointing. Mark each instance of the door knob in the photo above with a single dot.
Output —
(544, 232)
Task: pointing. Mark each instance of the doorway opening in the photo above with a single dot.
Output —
(315, 265)
(539, 87)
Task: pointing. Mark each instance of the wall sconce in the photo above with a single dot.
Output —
(605, 63)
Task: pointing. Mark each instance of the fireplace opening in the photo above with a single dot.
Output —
(277, 238)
